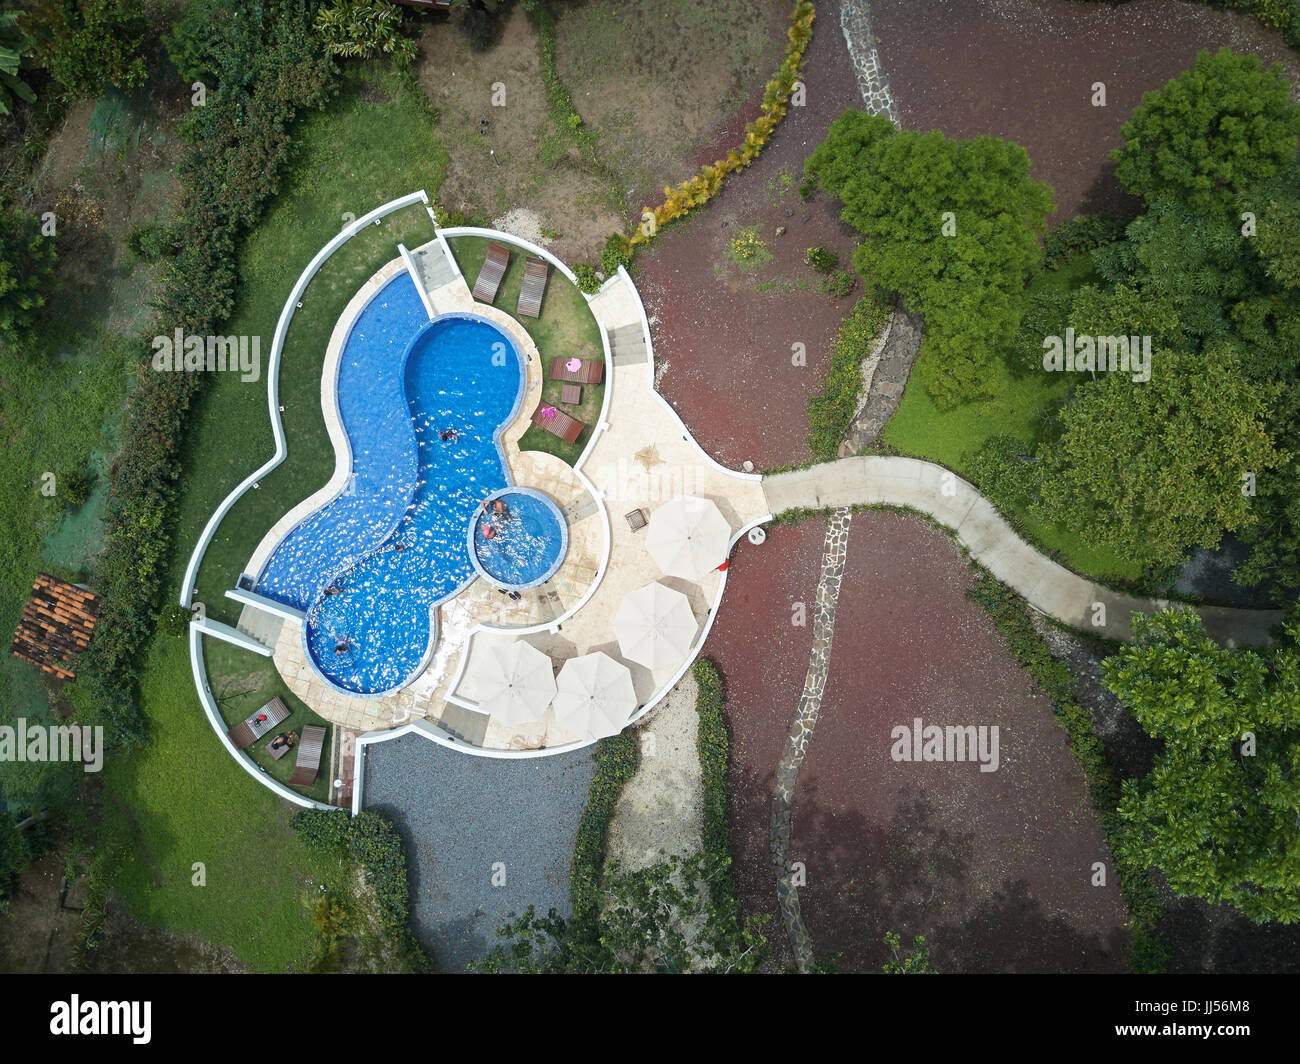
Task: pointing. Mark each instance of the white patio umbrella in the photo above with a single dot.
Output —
(514, 681)
(688, 536)
(654, 626)
(595, 696)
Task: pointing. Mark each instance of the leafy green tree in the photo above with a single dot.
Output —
(915, 962)
(1210, 133)
(659, 919)
(14, 47)
(1154, 468)
(26, 271)
(87, 43)
(952, 225)
(358, 29)
(1219, 813)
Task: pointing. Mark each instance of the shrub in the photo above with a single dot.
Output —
(748, 250)
(821, 260)
(26, 272)
(74, 485)
(358, 29)
(616, 763)
(85, 43)
(174, 620)
(839, 283)
(14, 46)
(150, 241)
(617, 252)
(1086, 232)
(587, 279)
(831, 412)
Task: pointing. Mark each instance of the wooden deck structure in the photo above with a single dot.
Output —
(558, 424)
(309, 753)
(56, 625)
(592, 371)
(493, 269)
(531, 291)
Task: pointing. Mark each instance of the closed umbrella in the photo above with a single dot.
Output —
(514, 681)
(654, 626)
(594, 696)
(688, 536)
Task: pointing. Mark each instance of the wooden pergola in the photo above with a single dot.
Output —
(56, 625)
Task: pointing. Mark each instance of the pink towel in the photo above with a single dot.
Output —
(573, 365)
(547, 412)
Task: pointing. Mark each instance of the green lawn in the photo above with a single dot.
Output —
(182, 799)
(953, 437)
(565, 328)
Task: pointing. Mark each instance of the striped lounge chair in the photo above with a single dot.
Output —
(592, 371)
(534, 287)
(558, 423)
(309, 751)
(489, 277)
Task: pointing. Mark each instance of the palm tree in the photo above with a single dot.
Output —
(13, 43)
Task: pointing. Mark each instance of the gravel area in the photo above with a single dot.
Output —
(465, 821)
(659, 809)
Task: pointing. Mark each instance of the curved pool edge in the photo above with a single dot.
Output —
(532, 493)
(506, 422)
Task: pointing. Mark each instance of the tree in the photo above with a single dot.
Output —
(1210, 133)
(85, 43)
(26, 269)
(1153, 468)
(917, 962)
(952, 225)
(658, 919)
(1218, 813)
(357, 29)
(14, 45)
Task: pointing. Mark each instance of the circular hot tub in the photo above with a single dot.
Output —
(517, 539)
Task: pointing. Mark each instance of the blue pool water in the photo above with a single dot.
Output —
(395, 542)
(527, 543)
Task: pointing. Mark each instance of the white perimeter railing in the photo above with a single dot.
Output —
(197, 666)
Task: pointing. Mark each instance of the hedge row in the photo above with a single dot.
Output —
(714, 750)
(616, 762)
(371, 840)
(1011, 618)
(830, 413)
(269, 67)
(698, 190)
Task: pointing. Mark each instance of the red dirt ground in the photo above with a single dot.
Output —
(993, 868)
(763, 659)
(1025, 71)
(723, 347)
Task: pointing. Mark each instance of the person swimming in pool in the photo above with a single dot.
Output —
(448, 435)
(490, 532)
(342, 646)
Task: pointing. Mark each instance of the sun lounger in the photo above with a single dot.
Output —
(247, 732)
(558, 423)
(534, 287)
(489, 277)
(591, 371)
(309, 751)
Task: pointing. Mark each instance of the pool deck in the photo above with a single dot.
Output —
(641, 456)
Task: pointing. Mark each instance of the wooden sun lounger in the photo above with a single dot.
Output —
(309, 751)
(592, 371)
(561, 425)
(244, 735)
(489, 277)
(534, 287)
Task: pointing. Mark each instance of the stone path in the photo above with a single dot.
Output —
(883, 387)
(810, 701)
(855, 21)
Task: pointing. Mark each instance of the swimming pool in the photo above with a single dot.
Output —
(519, 543)
(423, 404)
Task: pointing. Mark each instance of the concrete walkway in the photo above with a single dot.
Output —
(956, 504)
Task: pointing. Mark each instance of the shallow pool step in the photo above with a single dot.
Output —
(435, 270)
